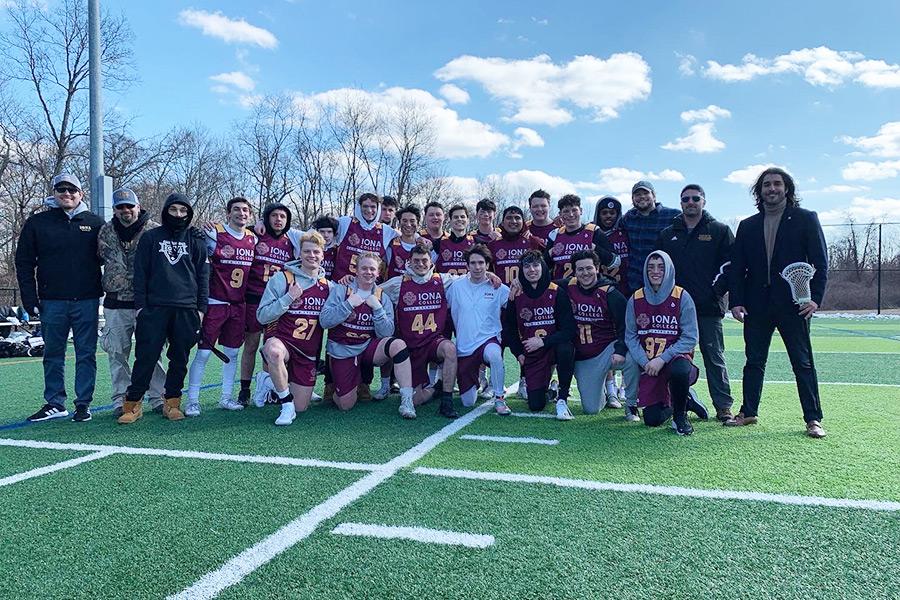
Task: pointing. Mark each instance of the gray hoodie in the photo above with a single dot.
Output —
(275, 300)
(337, 309)
(687, 317)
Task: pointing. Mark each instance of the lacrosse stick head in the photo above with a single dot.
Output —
(798, 276)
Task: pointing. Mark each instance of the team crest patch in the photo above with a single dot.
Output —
(446, 254)
(501, 254)
(173, 251)
(262, 248)
(525, 314)
(227, 251)
(643, 320)
(409, 298)
(353, 239)
(84, 227)
(556, 250)
(399, 260)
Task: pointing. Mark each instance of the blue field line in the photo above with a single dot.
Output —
(20, 424)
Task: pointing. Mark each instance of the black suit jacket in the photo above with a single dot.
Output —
(799, 239)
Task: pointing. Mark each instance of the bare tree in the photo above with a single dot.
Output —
(413, 138)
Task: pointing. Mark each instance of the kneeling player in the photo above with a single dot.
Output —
(661, 324)
(360, 320)
(290, 308)
(538, 327)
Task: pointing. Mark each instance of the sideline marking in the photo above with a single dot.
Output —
(538, 415)
(664, 490)
(66, 464)
(417, 534)
(853, 383)
(235, 569)
(245, 458)
(509, 439)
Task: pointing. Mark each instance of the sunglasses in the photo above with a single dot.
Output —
(691, 198)
(66, 190)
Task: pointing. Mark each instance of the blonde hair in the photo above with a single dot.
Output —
(371, 255)
(313, 237)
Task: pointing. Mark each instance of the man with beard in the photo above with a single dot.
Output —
(574, 237)
(171, 286)
(642, 225)
(538, 327)
(117, 245)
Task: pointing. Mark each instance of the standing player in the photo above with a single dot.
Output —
(475, 307)
(389, 206)
(574, 237)
(452, 246)
(290, 308)
(273, 250)
(485, 211)
(363, 232)
(360, 320)
(327, 228)
(231, 249)
(434, 222)
(398, 253)
(540, 224)
(539, 327)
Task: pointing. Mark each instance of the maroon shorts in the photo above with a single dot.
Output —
(347, 372)
(467, 367)
(251, 325)
(421, 356)
(223, 323)
(538, 368)
(655, 390)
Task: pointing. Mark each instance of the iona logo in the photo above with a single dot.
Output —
(446, 254)
(262, 248)
(353, 239)
(525, 314)
(501, 254)
(227, 251)
(409, 298)
(643, 320)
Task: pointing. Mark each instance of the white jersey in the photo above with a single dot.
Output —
(475, 309)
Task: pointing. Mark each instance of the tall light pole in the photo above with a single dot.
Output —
(101, 186)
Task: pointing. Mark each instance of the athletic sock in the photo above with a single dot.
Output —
(245, 384)
(282, 394)
(406, 393)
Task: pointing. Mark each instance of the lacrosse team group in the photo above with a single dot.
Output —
(618, 304)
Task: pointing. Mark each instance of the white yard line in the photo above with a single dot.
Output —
(233, 571)
(418, 534)
(664, 490)
(509, 440)
(243, 458)
(66, 464)
(852, 383)
(530, 415)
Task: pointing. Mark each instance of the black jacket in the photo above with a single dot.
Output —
(799, 239)
(701, 260)
(63, 252)
(171, 269)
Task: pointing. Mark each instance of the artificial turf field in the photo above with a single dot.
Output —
(228, 505)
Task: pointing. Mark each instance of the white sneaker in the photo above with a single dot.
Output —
(523, 389)
(621, 393)
(192, 409)
(384, 391)
(501, 408)
(612, 400)
(229, 404)
(407, 410)
(288, 414)
(315, 398)
(631, 414)
(263, 387)
(562, 411)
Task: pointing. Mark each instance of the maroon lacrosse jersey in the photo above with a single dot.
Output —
(483, 238)
(421, 311)
(230, 266)
(618, 239)
(596, 327)
(536, 317)
(299, 325)
(269, 257)
(541, 231)
(328, 256)
(657, 324)
(567, 244)
(399, 256)
(359, 327)
(451, 256)
(424, 233)
(356, 241)
(507, 254)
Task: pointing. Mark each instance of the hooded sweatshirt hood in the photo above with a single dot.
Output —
(175, 224)
(357, 212)
(265, 219)
(607, 202)
(542, 284)
(303, 280)
(668, 282)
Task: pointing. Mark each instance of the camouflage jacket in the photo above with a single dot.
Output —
(118, 260)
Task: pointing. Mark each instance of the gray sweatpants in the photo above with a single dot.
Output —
(590, 376)
(712, 347)
(116, 339)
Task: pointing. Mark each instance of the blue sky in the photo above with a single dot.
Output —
(578, 96)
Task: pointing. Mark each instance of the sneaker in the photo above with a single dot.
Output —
(407, 410)
(82, 413)
(695, 405)
(383, 392)
(229, 404)
(288, 414)
(739, 420)
(263, 387)
(621, 393)
(612, 395)
(562, 411)
(501, 408)
(117, 411)
(192, 409)
(244, 397)
(523, 389)
(814, 430)
(682, 426)
(552, 392)
(446, 408)
(613, 402)
(47, 412)
(632, 414)
(723, 414)
(315, 398)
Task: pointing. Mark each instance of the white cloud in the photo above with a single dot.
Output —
(885, 143)
(534, 90)
(686, 64)
(819, 66)
(869, 171)
(454, 94)
(710, 113)
(747, 176)
(219, 26)
(699, 139)
(525, 137)
(865, 210)
(537, 21)
(238, 79)
(618, 180)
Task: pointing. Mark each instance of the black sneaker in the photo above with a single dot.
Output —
(681, 425)
(82, 413)
(244, 397)
(47, 412)
(446, 408)
(696, 406)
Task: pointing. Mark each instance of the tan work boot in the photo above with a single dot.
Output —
(172, 408)
(131, 412)
(814, 430)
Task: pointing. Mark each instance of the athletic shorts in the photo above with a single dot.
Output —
(346, 373)
(420, 357)
(251, 325)
(223, 323)
(538, 368)
(301, 368)
(467, 367)
(655, 390)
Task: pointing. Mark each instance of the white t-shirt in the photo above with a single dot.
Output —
(475, 309)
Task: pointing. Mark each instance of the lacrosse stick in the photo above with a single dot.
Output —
(798, 276)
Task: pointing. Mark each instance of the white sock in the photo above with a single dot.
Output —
(494, 357)
(282, 394)
(195, 376)
(406, 393)
(228, 371)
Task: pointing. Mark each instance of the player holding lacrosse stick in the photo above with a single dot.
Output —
(766, 288)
